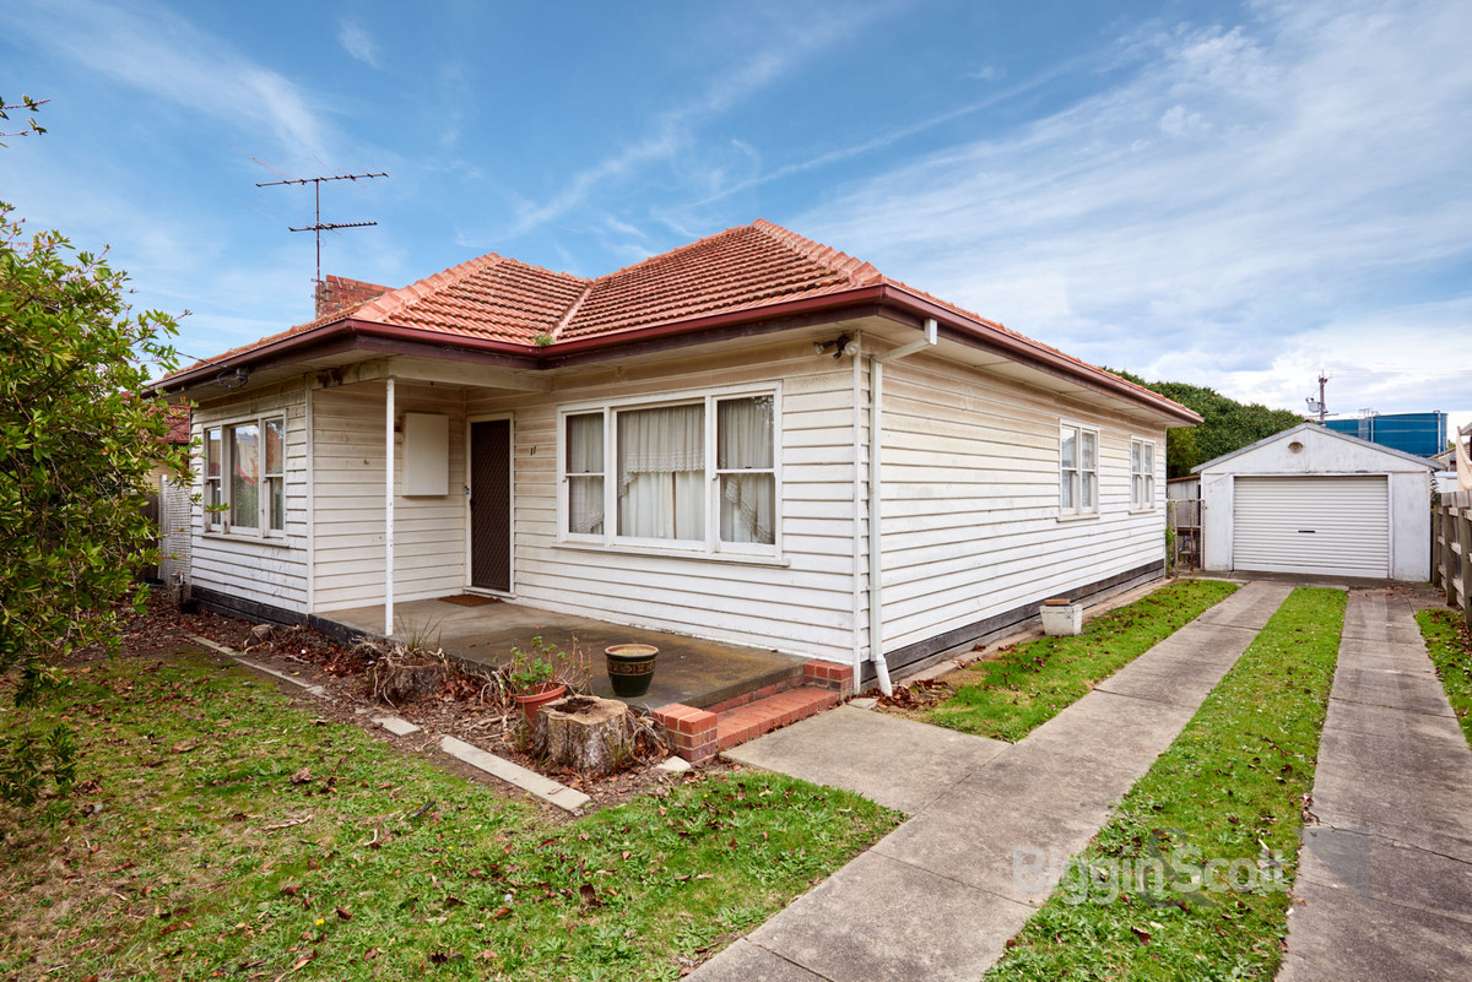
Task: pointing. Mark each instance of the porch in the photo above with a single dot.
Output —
(483, 630)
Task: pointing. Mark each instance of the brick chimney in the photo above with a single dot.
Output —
(338, 293)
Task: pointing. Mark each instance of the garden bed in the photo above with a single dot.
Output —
(1449, 643)
(466, 706)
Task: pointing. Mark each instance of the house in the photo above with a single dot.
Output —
(687, 444)
(1315, 501)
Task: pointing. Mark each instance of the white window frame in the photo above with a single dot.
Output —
(1145, 501)
(1065, 426)
(710, 545)
(218, 523)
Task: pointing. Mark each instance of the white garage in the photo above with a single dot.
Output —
(1320, 503)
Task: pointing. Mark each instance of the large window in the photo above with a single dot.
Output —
(1078, 470)
(697, 472)
(244, 477)
(1142, 475)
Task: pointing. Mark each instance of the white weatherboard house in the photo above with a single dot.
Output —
(1313, 501)
(754, 439)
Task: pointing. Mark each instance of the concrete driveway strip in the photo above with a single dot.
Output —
(992, 824)
(1384, 886)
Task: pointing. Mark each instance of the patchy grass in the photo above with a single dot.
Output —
(1010, 696)
(1450, 645)
(222, 830)
(1230, 789)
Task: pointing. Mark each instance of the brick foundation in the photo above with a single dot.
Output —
(830, 675)
(690, 732)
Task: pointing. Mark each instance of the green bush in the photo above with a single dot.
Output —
(78, 440)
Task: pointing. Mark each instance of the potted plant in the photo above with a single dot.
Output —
(533, 678)
(630, 668)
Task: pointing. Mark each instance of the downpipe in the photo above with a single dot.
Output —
(876, 496)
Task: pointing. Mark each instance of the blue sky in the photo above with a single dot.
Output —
(1234, 195)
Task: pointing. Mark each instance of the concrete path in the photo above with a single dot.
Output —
(1384, 886)
(939, 897)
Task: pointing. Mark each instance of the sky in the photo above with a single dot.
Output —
(1232, 195)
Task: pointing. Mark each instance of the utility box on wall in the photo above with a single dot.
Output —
(426, 454)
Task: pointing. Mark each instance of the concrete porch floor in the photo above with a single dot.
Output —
(690, 671)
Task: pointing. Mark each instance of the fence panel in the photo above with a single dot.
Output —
(1451, 549)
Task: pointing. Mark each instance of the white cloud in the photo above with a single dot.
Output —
(357, 42)
(1250, 203)
(152, 49)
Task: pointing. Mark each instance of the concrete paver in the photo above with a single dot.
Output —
(858, 750)
(1384, 889)
(993, 824)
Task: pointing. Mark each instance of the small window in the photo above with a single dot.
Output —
(275, 475)
(1142, 475)
(745, 465)
(214, 498)
(245, 477)
(584, 469)
(1078, 470)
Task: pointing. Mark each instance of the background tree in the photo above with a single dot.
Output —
(1226, 424)
(78, 442)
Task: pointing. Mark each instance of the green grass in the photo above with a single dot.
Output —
(1450, 645)
(1008, 697)
(191, 868)
(1230, 787)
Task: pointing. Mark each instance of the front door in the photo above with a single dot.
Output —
(490, 505)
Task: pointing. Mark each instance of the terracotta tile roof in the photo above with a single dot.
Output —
(746, 268)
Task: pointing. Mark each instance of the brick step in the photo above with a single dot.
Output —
(699, 734)
(743, 723)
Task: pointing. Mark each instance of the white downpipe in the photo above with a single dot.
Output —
(876, 497)
(858, 517)
(388, 508)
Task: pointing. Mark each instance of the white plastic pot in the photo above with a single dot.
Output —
(1062, 619)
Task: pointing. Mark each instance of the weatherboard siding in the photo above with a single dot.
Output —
(348, 500)
(804, 607)
(266, 571)
(970, 500)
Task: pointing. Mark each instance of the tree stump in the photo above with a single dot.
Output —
(588, 734)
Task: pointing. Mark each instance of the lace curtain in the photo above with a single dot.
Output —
(662, 473)
(744, 446)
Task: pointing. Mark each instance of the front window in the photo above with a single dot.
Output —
(1078, 470)
(661, 473)
(584, 470)
(245, 476)
(745, 466)
(1142, 475)
(697, 472)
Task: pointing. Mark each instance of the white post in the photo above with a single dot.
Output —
(388, 508)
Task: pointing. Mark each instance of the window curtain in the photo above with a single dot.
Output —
(661, 487)
(744, 443)
(584, 467)
(245, 476)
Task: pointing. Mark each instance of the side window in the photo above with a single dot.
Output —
(1078, 470)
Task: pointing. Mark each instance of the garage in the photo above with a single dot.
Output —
(1315, 502)
(1315, 525)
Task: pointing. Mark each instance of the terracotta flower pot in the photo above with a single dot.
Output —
(531, 703)
(630, 668)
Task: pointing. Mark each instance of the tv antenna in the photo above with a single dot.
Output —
(318, 226)
(1318, 406)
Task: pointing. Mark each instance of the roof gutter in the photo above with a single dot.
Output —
(967, 330)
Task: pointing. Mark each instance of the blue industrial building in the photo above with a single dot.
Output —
(1422, 434)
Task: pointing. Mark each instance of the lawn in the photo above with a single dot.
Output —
(1230, 788)
(222, 830)
(1450, 645)
(1008, 697)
